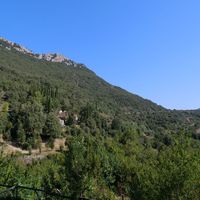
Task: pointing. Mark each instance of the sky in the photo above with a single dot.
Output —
(148, 47)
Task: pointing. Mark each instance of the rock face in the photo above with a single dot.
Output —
(15, 46)
(51, 57)
(57, 58)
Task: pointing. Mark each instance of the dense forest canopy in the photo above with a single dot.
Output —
(117, 144)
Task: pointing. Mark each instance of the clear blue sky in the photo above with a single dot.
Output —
(148, 47)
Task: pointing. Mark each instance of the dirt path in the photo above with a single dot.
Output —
(36, 154)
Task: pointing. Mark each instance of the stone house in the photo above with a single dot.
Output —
(62, 116)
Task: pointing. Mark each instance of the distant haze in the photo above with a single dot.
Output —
(150, 48)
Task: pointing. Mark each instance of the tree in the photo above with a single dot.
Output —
(32, 117)
(21, 135)
(5, 125)
(52, 127)
(116, 124)
(80, 165)
(70, 120)
(86, 113)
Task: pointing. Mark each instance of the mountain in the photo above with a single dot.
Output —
(71, 85)
(71, 134)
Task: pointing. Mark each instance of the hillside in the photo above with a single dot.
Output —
(87, 138)
(23, 73)
(71, 79)
(76, 85)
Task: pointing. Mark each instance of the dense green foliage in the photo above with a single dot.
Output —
(118, 144)
(32, 88)
(104, 167)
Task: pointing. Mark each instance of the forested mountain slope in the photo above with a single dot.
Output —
(35, 84)
(117, 144)
(76, 83)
